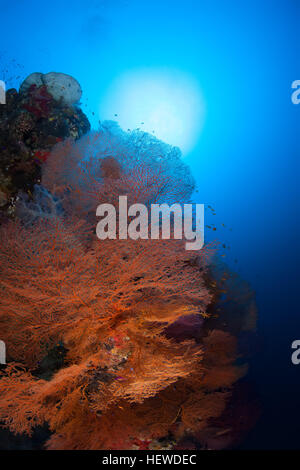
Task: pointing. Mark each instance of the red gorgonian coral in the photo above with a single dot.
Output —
(140, 369)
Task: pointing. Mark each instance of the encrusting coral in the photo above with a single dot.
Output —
(139, 367)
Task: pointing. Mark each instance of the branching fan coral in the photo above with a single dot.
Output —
(127, 379)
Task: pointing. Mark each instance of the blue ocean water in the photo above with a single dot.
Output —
(245, 158)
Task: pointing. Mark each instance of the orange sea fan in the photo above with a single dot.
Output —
(123, 378)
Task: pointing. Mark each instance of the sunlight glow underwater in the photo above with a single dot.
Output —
(164, 102)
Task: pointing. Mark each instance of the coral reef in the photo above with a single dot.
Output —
(31, 123)
(114, 344)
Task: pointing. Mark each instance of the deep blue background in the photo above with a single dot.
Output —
(246, 162)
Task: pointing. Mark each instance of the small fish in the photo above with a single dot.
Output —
(220, 433)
